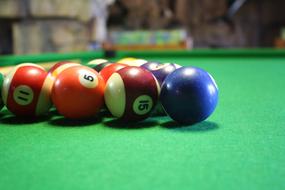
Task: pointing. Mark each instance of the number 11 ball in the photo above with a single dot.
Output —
(26, 90)
(189, 95)
(78, 92)
(131, 93)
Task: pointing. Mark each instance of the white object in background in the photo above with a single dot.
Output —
(100, 12)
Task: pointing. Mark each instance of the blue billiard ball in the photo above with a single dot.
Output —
(189, 95)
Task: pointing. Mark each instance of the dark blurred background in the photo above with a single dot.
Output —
(32, 26)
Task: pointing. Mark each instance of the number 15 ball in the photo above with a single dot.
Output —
(131, 93)
(78, 92)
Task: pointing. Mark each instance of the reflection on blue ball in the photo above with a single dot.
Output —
(189, 95)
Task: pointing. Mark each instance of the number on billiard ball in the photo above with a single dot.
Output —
(23, 95)
(26, 90)
(78, 92)
(142, 104)
(131, 94)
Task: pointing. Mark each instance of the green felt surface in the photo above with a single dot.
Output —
(241, 146)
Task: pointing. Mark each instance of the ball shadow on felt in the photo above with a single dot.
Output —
(119, 124)
(204, 126)
(104, 112)
(2, 115)
(16, 120)
(65, 122)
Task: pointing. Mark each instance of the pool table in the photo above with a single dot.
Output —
(241, 146)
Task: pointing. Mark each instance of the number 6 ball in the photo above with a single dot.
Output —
(131, 93)
(78, 92)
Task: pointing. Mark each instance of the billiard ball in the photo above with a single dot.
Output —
(160, 71)
(1, 84)
(98, 64)
(189, 95)
(137, 62)
(78, 92)
(57, 68)
(110, 69)
(131, 93)
(151, 65)
(26, 90)
(126, 60)
(132, 61)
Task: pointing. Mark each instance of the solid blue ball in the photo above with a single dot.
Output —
(189, 95)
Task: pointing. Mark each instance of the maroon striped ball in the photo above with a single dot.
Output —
(131, 93)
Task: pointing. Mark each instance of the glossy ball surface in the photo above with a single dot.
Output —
(78, 92)
(98, 64)
(189, 95)
(110, 69)
(57, 68)
(26, 90)
(160, 71)
(131, 94)
(132, 61)
(150, 65)
(126, 60)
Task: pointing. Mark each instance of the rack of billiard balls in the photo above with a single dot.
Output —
(130, 89)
